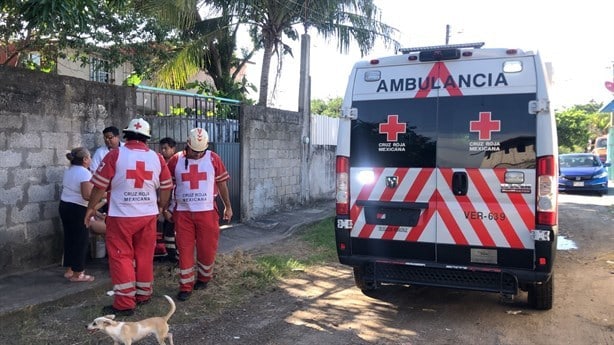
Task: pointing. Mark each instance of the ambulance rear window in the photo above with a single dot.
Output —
(388, 134)
(486, 131)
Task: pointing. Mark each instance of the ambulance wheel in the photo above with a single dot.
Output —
(359, 280)
(540, 296)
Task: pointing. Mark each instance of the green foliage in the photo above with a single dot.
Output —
(578, 125)
(237, 90)
(329, 107)
(133, 79)
(112, 30)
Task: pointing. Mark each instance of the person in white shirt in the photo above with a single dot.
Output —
(76, 190)
(111, 141)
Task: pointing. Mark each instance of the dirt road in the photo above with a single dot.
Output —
(322, 306)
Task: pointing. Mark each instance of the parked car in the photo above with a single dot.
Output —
(601, 148)
(583, 172)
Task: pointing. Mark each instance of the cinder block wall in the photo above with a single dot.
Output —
(271, 160)
(41, 117)
(322, 172)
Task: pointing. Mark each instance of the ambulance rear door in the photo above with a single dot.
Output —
(393, 164)
(486, 161)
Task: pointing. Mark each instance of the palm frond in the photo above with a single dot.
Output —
(176, 73)
(178, 13)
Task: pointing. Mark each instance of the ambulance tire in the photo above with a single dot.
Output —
(367, 288)
(540, 296)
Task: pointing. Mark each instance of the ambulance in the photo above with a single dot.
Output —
(446, 172)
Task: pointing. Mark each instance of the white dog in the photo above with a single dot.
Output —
(127, 332)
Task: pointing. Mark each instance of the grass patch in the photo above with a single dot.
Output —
(321, 236)
(316, 245)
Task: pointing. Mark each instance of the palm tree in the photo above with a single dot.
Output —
(273, 21)
(205, 44)
(210, 43)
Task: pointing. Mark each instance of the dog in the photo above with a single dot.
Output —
(127, 332)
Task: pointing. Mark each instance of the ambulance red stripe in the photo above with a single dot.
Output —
(421, 181)
(451, 225)
(465, 203)
(387, 195)
(489, 199)
(364, 194)
(413, 194)
(438, 72)
(524, 210)
(415, 233)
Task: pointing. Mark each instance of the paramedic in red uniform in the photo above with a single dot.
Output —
(132, 174)
(199, 176)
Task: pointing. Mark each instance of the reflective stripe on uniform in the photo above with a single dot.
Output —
(204, 270)
(186, 280)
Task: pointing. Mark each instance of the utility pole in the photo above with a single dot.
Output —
(304, 109)
(447, 34)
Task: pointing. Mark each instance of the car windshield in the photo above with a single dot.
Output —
(579, 161)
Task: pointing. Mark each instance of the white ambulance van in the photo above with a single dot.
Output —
(447, 166)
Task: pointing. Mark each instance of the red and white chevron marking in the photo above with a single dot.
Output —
(484, 217)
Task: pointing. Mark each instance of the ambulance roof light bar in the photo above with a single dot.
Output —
(475, 45)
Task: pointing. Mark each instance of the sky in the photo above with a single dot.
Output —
(576, 37)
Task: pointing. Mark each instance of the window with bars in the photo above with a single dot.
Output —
(100, 71)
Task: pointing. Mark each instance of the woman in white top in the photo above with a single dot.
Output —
(73, 204)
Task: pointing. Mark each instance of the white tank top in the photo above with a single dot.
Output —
(135, 184)
(195, 185)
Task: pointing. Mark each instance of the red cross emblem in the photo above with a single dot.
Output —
(139, 174)
(392, 128)
(485, 126)
(193, 176)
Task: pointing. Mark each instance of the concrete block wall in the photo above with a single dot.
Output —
(271, 160)
(41, 117)
(322, 172)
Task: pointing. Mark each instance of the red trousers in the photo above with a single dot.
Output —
(130, 245)
(200, 230)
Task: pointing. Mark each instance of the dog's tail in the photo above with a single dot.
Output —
(172, 311)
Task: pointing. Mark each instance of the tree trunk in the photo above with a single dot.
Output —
(264, 76)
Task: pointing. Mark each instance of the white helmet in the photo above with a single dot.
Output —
(139, 126)
(198, 139)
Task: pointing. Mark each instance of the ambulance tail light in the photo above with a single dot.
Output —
(342, 191)
(547, 186)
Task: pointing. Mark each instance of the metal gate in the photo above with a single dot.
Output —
(173, 113)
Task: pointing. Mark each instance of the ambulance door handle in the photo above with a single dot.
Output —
(460, 183)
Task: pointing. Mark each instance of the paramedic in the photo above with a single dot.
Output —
(133, 174)
(168, 148)
(199, 176)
